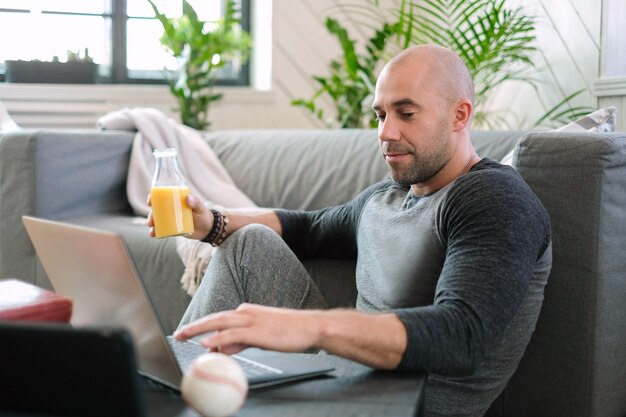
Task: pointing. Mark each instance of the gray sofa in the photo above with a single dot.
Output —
(575, 364)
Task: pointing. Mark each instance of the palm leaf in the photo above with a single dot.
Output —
(347, 45)
(558, 113)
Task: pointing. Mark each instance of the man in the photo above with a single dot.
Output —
(453, 254)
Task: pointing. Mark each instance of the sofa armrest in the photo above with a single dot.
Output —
(57, 175)
(575, 363)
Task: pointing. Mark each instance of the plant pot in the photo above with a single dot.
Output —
(74, 72)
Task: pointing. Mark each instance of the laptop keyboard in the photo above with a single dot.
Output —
(187, 351)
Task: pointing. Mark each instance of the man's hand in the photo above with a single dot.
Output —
(377, 340)
(202, 218)
(255, 325)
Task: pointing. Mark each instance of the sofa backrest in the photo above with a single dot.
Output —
(69, 174)
(309, 169)
(300, 168)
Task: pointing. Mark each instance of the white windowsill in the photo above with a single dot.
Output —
(121, 92)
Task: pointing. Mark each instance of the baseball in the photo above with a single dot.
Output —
(215, 385)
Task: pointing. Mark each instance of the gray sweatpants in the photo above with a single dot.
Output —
(254, 265)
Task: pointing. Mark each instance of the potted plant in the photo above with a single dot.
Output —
(78, 69)
(495, 42)
(351, 82)
(201, 49)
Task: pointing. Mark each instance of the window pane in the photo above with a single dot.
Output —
(207, 10)
(141, 8)
(62, 33)
(144, 51)
(230, 70)
(74, 6)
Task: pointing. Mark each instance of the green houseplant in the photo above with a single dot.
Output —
(351, 82)
(201, 49)
(495, 42)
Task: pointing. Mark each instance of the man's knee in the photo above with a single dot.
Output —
(257, 232)
(253, 238)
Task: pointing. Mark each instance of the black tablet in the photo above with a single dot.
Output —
(55, 369)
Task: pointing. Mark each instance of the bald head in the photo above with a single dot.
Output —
(438, 67)
(424, 105)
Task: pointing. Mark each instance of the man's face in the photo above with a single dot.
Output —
(414, 126)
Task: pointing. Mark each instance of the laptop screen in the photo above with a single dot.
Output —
(93, 268)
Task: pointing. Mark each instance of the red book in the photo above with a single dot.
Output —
(20, 300)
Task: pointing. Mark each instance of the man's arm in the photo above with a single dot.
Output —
(377, 340)
(237, 218)
(327, 232)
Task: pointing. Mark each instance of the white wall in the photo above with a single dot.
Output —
(298, 47)
(568, 38)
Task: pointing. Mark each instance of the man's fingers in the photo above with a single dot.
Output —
(231, 349)
(223, 320)
(150, 224)
(193, 202)
(213, 322)
(229, 341)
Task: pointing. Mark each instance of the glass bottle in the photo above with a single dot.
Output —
(172, 216)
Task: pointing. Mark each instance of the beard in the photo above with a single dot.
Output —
(421, 169)
(426, 164)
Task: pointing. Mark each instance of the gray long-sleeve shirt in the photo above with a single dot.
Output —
(463, 268)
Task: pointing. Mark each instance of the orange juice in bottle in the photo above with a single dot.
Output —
(172, 216)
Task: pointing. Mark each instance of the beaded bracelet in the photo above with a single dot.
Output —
(222, 235)
(218, 232)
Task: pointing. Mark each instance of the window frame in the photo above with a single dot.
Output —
(119, 73)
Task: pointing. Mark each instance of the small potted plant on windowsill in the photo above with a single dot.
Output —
(78, 69)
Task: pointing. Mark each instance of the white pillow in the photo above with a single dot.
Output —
(602, 120)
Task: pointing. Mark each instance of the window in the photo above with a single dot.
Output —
(122, 36)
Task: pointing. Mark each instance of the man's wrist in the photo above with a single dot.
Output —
(219, 230)
(316, 323)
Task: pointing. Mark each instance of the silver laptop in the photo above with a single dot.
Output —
(94, 268)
